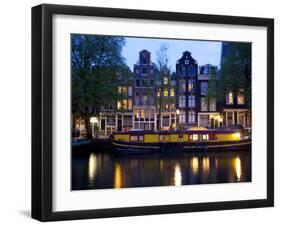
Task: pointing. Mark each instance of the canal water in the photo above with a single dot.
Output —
(99, 170)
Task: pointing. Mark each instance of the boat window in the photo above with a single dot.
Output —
(134, 138)
(205, 136)
(193, 137)
(140, 138)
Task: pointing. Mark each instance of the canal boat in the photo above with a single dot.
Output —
(193, 139)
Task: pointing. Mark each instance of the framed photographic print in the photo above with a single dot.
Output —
(146, 112)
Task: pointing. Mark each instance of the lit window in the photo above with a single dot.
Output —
(119, 89)
(119, 104)
(125, 89)
(190, 85)
(130, 104)
(229, 97)
(142, 113)
(137, 116)
(124, 104)
(166, 92)
(166, 106)
(182, 117)
(134, 138)
(172, 92)
(240, 97)
(205, 136)
(165, 80)
(140, 138)
(158, 93)
(193, 137)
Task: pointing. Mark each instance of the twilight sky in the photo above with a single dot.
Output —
(202, 51)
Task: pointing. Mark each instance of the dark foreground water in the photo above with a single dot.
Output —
(95, 170)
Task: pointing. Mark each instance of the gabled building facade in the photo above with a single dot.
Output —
(187, 86)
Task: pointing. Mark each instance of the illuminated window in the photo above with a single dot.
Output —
(140, 138)
(119, 89)
(165, 80)
(119, 105)
(240, 97)
(124, 104)
(134, 138)
(172, 106)
(190, 85)
(158, 92)
(142, 113)
(137, 115)
(125, 89)
(172, 92)
(229, 97)
(166, 106)
(166, 93)
(193, 137)
(205, 136)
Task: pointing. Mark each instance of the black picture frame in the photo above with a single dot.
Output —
(42, 111)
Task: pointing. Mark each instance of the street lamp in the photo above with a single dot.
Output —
(177, 118)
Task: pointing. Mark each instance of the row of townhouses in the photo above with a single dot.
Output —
(164, 101)
(169, 101)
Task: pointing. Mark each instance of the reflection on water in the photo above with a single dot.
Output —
(105, 170)
(177, 175)
(237, 165)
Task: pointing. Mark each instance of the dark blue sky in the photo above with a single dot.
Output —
(202, 51)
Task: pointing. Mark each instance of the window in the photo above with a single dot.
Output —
(182, 117)
(158, 92)
(229, 97)
(191, 116)
(137, 83)
(213, 104)
(183, 70)
(203, 120)
(191, 101)
(166, 106)
(240, 97)
(240, 118)
(119, 89)
(142, 114)
(144, 61)
(172, 105)
(204, 87)
(166, 93)
(166, 121)
(144, 98)
(205, 136)
(137, 115)
(137, 97)
(172, 92)
(134, 138)
(230, 118)
(193, 137)
(144, 83)
(204, 105)
(186, 61)
(191, 71)
(165, 80)
(111, 120)
(125, 90)
(119, 105)
(151, 83)
(130, 91)
(182, 85)
(127, 121)
(144, 71)
(124, 104)
(129, 104)
(190, 85)
(182, 101)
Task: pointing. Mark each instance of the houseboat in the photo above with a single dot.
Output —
(193, 139)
